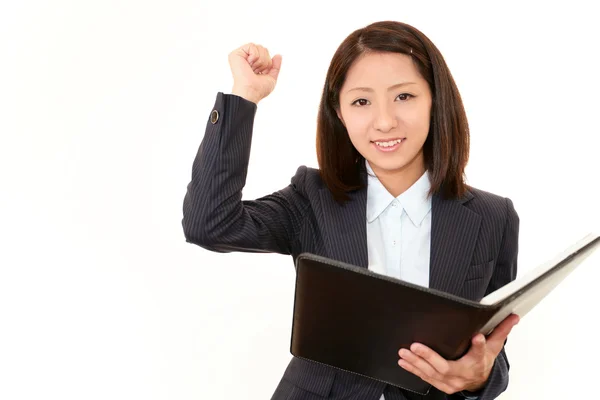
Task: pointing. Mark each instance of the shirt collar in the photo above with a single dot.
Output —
(415, 200)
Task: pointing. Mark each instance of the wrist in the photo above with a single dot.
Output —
(478, 385)
(474, 388)
(246, 93)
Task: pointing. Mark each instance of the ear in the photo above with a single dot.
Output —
(339, 114)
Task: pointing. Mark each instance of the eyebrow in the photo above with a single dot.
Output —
(368, 89)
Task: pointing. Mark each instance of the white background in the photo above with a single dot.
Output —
(102, 107)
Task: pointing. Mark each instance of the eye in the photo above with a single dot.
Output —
(402, 96)
(359, 100)
(405, 96)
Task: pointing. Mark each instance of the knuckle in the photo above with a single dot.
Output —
(446, 389)
(452, 387)
(480, 374)
(452, 390)
(458, 384)
(444, 369)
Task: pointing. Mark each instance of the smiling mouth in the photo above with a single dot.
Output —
(389, 143)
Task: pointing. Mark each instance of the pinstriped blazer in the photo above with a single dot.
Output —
(474, 240)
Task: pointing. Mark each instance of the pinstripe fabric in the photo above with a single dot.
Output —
(473, 240)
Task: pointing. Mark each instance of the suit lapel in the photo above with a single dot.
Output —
(454, 232)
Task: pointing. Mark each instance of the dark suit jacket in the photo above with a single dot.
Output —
(473, 240)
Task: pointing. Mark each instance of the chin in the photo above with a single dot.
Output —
(387, 165)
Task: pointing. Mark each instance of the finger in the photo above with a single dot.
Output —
(266, 59)
(438, 362)
(276, 67)
(252, 59)
(441, 385)
(260, 63)
(496, 339)
(252, 52)
(478, 347)
(248, 52)
(257, 57)
(419, 363)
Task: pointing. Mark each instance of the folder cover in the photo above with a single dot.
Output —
(356, 320)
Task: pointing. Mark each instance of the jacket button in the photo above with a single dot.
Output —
(214, 116)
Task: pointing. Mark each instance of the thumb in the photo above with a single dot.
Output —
(276, 66)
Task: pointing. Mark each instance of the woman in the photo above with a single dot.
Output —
(389, 195)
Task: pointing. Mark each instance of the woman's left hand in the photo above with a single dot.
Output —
(470, 372)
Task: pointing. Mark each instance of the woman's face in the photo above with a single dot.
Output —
(385, 105)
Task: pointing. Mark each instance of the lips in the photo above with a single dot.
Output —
(388, 142)
(388, 139)
(388, 145)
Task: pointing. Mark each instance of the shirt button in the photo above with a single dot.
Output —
(214, 116)
(394, 204)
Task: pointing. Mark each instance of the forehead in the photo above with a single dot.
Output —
(382, 69)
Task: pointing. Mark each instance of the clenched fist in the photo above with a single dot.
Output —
(254, 72)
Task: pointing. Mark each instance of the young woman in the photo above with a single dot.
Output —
(389, 195)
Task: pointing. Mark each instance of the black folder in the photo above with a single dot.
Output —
(356, 320)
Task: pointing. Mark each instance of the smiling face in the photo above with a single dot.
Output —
(385, 105)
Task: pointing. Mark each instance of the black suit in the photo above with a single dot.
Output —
(473, 240)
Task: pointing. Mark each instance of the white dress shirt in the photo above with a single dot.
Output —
(399, 231)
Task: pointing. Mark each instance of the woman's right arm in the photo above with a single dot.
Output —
(214, 215)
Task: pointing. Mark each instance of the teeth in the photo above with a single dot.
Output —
(388, 144)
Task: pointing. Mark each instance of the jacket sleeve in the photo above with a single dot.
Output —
(214, 215)
(504, 272)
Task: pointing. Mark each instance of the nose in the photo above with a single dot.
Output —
(385, 120)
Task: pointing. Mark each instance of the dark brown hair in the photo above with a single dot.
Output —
(446, 149)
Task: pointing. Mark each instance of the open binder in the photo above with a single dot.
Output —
(356, 320)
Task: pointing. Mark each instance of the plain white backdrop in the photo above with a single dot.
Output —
(102, 108)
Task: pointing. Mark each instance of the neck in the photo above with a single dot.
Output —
(399, 180)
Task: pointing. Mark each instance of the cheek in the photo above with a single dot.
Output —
(358, 141)
(417, 127)
(425, 119)
(357, 131)
(420, 129)
(357, 123)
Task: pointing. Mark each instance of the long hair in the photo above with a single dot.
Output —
(446, 149)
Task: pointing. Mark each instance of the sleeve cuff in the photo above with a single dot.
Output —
(469, 395)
